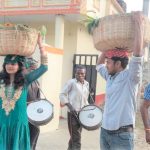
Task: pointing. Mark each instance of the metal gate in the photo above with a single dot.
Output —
(89, 61)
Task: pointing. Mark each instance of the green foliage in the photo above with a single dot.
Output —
(91, 23)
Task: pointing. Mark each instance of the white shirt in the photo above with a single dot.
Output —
(75, 93)
(121, 95)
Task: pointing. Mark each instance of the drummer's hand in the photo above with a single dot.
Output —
(41, 46)
(70, 106)
(72, 110)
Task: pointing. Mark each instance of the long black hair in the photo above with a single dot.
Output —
(19, 79)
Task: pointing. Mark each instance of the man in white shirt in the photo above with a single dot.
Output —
(121, 92)
(75, 95)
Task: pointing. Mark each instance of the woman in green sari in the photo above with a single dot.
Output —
(14, 129)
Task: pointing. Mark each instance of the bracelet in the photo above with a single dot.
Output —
(40, 47)
(147, 129)
(44, 60)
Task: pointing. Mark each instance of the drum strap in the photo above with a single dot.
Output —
(37, 84)
(91, 96)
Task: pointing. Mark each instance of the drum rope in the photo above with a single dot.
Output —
(89, 109)
(37, 84)
(91, 97)
(92, 100)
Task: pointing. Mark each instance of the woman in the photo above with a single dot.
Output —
(14, 129)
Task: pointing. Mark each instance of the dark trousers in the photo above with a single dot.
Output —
(75, 132)
(34, 134)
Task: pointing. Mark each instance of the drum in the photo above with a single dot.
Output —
(90, 117)
(40, 112)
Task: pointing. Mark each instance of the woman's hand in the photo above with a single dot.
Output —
(39, 41)
(41, 46)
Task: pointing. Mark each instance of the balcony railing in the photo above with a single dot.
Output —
(8, 7)
(5, 4)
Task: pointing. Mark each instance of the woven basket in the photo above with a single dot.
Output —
(117, 31)
(18, 40)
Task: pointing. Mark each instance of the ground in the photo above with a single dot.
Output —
(58, 139)
(140, 143)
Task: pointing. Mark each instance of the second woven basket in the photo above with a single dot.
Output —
(117, 31)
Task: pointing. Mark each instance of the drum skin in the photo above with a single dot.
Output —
(90, 117)
(40, 112)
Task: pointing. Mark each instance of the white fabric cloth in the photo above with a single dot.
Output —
(75, 93)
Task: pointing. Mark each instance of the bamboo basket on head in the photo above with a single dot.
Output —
(117, 31)
(17, 40)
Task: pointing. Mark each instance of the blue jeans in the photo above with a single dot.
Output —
(116, 140)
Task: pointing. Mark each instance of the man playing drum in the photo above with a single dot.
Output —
(121, 91)
(75, 95)
(33, 94)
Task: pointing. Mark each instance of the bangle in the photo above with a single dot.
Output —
(44, 60)
(147, 129)
(40, 47)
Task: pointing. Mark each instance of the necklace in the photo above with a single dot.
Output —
(9, 100)
(9, 91)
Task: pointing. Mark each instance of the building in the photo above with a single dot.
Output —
(66, 33)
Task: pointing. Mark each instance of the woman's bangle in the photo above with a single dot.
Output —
(41, 47)
(44, 60)
(147, 129)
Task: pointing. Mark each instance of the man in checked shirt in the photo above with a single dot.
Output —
(75, 95)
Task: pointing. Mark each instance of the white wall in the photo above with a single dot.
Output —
(102, 8)
(70, 42)
(85, 46)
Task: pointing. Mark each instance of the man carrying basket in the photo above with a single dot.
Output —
(121, 90)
